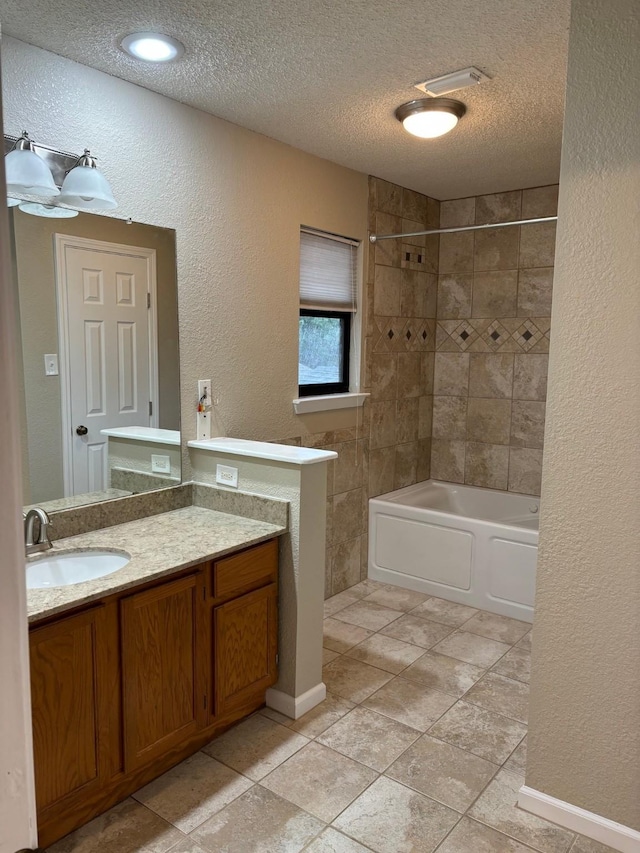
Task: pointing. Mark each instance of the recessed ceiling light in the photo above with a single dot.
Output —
(430, 117)
(152, 47)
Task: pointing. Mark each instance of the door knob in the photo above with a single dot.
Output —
(82, 430)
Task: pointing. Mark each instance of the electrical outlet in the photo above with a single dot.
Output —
(227, 476)
(160, 464)
(203, 425)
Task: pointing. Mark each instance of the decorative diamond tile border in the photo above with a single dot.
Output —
(527, 335)
(495, 335)
(507, 334)
(464, 335)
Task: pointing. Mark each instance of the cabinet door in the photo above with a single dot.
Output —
(245, 644)
(69, 708)
(161, 685)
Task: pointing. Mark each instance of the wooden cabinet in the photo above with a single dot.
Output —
(245, 643)
(69, 708)
(127, 688)
(161, 687)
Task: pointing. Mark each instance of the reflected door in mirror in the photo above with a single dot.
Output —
(106, 300)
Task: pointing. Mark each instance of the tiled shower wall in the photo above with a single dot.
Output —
(464, 317)
(400, 336)
(492, 341)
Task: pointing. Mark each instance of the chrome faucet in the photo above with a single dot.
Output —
(43, 543)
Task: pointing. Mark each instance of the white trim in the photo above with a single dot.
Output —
(61, 242)
(350, 241)
(608, 832)
(329, 402)
(150, 435)
(296, 707)
(264, 450)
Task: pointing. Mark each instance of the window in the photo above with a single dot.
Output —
(328, 266)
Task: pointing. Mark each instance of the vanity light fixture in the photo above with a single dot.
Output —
(28, 173)
(430, 117)
(86, 188)
(152, 47)
(48, 211)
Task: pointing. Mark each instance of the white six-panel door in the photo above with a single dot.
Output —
(106, 305)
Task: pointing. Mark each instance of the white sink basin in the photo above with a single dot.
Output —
(66, 569)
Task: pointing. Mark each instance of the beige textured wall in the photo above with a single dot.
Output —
(584, 741)
(492, 340)
(236, 200)
(388, 445)
(35, 275)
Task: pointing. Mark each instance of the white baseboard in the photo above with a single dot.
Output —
(295, 706)
(592, 825)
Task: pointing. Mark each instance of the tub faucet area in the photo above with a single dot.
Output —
(43, 543)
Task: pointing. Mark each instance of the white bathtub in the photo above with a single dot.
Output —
(474, 546)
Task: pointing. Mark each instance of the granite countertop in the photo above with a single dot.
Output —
(159, 545)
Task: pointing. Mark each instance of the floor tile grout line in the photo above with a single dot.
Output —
(464, 696)
(526, 844)
(382, 773)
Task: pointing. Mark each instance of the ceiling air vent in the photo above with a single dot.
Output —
(451, 82)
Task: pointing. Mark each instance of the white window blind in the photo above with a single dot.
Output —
(328, 267)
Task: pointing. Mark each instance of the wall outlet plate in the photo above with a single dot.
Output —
(227, 476)
(160, 464)
(203, 425)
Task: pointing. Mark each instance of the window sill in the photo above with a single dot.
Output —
(328, 402)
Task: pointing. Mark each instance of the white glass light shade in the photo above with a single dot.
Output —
(431, 124)
(86, 188)
(48, 211)
(28, 173)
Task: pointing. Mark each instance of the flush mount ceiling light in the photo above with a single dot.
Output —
(152, 47)
(430, 117)
(28, 173)
(86, 188)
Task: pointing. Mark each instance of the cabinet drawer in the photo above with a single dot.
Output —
(249, 570)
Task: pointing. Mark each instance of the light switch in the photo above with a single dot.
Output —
(51, 364)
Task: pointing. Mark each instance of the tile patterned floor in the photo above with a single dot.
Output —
(419, 747)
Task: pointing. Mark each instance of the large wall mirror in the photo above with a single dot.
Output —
(98, 323)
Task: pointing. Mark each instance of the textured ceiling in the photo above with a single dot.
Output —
(326, 75)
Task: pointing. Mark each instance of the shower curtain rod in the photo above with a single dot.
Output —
(373, 238)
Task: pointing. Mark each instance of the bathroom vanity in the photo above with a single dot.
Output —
(145, 666)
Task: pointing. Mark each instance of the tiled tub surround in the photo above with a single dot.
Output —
(492, 340)
(347, 501)
(484, 426)
(159, 545)
(420, 746)
(400, 304)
